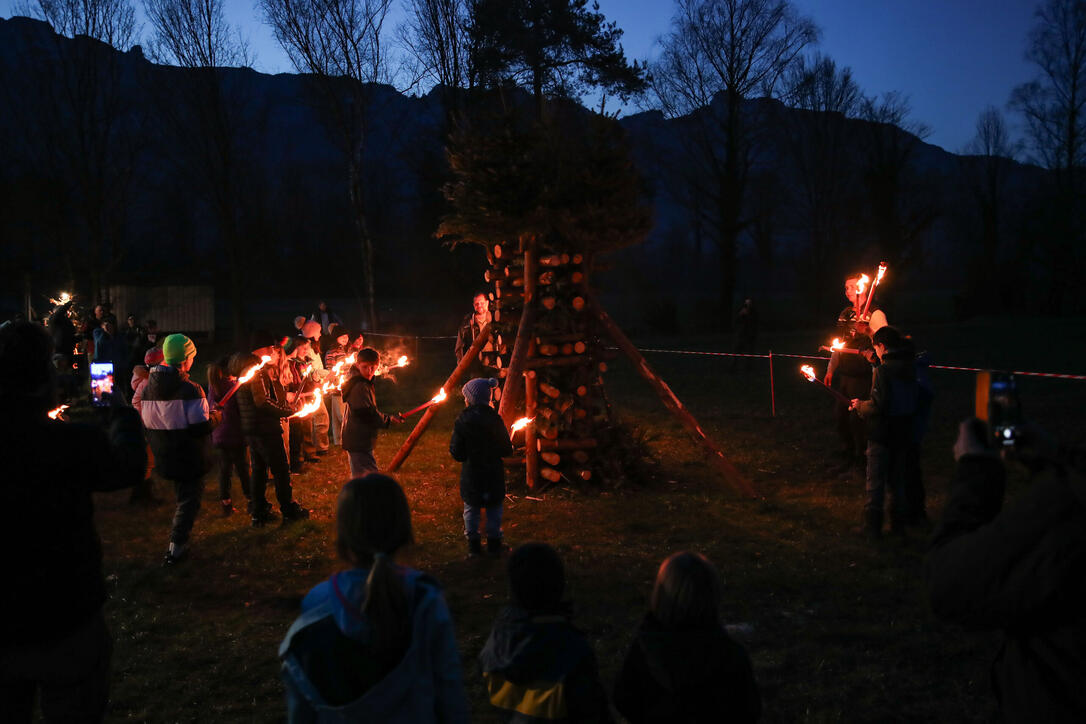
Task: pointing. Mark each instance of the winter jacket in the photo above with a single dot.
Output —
(480, 440)
(176, 416)
(228, 432)
(49, 549)
(686, 676)
(261, 404)
(331, 672)
(362, 419)
(1022, 570)
(894, 391)
(539, 667)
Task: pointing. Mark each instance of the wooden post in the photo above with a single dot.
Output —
(424, 422)
(772, 392)
(531, 451)
(730, 472)
(513, 393)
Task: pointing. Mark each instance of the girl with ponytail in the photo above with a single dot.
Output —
(374, 642)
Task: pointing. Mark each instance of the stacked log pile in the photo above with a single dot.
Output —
(563, 364)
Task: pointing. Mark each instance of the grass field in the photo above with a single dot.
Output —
(838, 628)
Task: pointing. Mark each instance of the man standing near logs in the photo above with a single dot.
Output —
(469, 329)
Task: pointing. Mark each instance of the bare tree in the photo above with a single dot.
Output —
(338, 43)
(819, 140)
(435, 36)
(718, 54)
(1054, 108)
(84, 129)
(901, 206)
(209, 121)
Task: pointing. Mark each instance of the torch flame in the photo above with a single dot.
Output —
(249, 373)
(837, 344)
(439, 397)
(307, 370)
(403, 361)
(521, 424)
(861, 285)
(65, 297)
(54, 414)
(881, 273)
(310, 407)
(808, 372)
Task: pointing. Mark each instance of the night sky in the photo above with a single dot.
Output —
(952, 58)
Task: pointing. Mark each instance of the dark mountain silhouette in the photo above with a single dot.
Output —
(296, 219)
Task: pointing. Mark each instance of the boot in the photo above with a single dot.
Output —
(495, 546)
(475, 547)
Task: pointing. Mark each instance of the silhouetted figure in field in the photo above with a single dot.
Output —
(375, 642)
(53, 638)
(683, 666)
(745, 330)
(1021, 569)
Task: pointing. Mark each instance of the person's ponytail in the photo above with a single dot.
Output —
(386, 607)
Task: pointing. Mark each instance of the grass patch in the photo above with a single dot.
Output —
(839, 629)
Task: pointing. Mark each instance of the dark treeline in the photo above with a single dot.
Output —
(773, 182)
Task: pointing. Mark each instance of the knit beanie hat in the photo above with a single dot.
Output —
(477, 391)
(153, 357)
(177, 348)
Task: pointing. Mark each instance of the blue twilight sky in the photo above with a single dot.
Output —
(952, 58)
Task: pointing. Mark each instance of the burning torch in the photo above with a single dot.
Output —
(310, 407)
(57, 414)
(878, 278)
(436, 399)
(809, 373)
(520, 425)
(249, 374)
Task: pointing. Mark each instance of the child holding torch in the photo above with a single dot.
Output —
(480, 441)
(362, 419)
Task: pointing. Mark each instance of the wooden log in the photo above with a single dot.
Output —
(551, 458)
(564, 444)
(547, 432)
(581, 390)
(574, 361)
(549, 390)
(577, 303)
(549, 302)
(576, 277)
(513, 461)
(547, 277)
(450, 382)
(531, 449)
(584, 474)
(552, 260)
(550, 474)
(514, 393)
(581, 456)
(576, 259)
(498, 251)
(730, 472)
(547, 350)
(560, 338)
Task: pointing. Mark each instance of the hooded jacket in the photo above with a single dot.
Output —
(261, 404)
(480, 440)
(1022, 570)
(227, 434)
(540, 668)
(894, 391)
(686, 676)
(331, 674)
(176, 416)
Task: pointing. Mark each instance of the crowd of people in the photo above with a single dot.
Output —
(375, 642)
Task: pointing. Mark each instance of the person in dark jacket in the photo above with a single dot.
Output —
(362, 419)
(488, 360)
(226, 437)
(375, 642)
(480, 441)
(54, 644)
(536, 664)
(849, 372)
(1021, 569)
(178, 421)
(262, 405)
(683, 666)
(889, 415)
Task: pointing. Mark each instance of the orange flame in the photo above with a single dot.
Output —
(307, 370)
(403, 361)
(837, 343)
(55, 414)
(881, 273)
(249, 373)
(439, 397)
(521, 424)
(310, 407)
(808, 372)
(861, 285)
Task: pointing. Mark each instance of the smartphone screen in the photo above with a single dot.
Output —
(101, 379)
(1004, 409)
